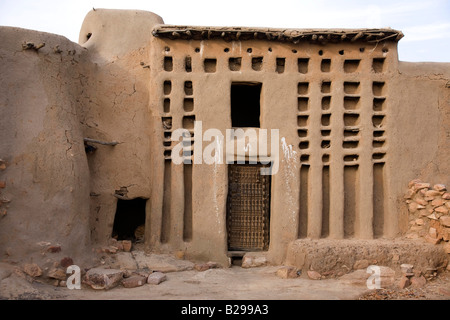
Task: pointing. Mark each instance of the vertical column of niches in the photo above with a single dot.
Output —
(303, 119)
(325, 131)
(188, 119)
(167, 119)
(352, 104)
(351, 115)
(379, 120)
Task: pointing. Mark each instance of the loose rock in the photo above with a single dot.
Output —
(134, 281)
(439, 187)
(406, 268)
(66, 262)
(57, 273)
(418, 281)
(287, 272)
(404, 283)
(103, 279)
(156, 278)
(314, 275)
(33, 270)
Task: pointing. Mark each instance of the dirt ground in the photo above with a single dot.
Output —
(233, 283)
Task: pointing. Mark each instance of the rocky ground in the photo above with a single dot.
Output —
(436, 289)
(179, 279)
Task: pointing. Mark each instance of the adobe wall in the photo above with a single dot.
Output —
(44, 91)
(119, 111)
(334, 73)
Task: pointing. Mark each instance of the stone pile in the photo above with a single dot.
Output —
(105, 279)
(429, 213)
(411, 277)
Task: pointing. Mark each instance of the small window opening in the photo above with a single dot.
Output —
(188, 64)
(210, 65)
(188, 89)
(235, 64)
(245, 104)
(280, 64)
(168, 64)
(129, 220)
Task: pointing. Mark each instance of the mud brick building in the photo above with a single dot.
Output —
(87, 136)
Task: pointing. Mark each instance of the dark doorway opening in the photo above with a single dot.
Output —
(245, 104)
(129, 221)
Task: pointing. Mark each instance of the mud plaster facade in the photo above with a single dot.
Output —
(355, 126)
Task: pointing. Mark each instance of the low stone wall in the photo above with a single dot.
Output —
(429, 213)
(334, 258)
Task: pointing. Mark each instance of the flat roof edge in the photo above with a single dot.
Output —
(174, 32)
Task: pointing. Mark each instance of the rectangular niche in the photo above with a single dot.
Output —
(351, 103)
(350, 144)
(304, 198)
(303, 104)
(325, 197)
(188, 122)
(187, 225)
(167, 123)
(167, 87)
(302, 121)
(351, 199)
(325, 133)
(326, 103)
(304, 158)
(210, 65)
(303, 88)
(188, 88)
(188, 64)
(281, 62)
(351, 158)
(379, 104)
(326, 120)
(351, 66)
(303, 65)
(168, 64)
(348, 133)
(167, 135)
(235, 64)
(378, 156)
(351, 87)
(378, 121)
(378, 65)
(303, 145)
(302, 133)
(378, 88)
(188, 105)
(257, 63)
(326, 87)
(351, 119)
(325, 144)
(378, 143)
(325, 66)
(378, 199)
(167, 105)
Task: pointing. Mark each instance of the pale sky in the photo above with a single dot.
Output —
(425, 23)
